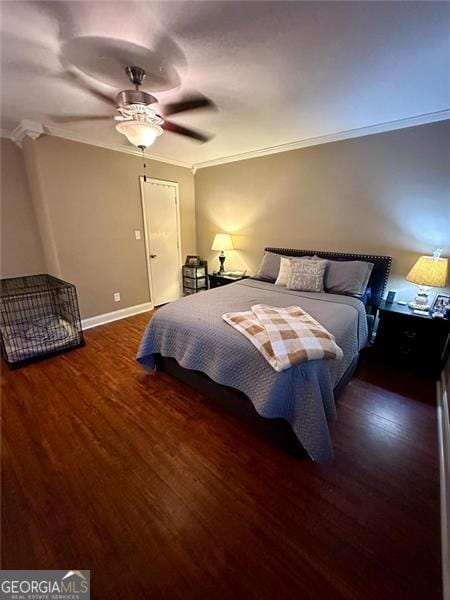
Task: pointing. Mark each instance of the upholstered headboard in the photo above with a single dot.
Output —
(378, 279)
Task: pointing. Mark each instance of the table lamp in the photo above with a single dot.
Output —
(222, 241)
(428, 272)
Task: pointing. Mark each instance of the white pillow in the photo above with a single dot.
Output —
(284, 272)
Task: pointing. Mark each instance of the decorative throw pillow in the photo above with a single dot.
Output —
(284, 271)
(348, 277)
(307, 275)
(270, 266)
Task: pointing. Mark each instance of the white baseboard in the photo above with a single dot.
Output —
(115, 315)
(444, 459)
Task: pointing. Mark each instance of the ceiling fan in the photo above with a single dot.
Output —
(137, 119)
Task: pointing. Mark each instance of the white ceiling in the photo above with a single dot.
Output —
(278, 71)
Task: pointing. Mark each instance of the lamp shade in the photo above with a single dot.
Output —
(429, 271)
(222, 241)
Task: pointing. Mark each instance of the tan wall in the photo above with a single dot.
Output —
(89, 204)
(385, 194)
(21, 251)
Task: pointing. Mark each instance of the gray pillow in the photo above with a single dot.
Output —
(307, 275)
(347, 277)
(270, 265)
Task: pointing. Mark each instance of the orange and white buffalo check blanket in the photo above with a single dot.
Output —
(284, 336)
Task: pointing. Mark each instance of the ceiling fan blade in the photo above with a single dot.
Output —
(190, 133)
(189, 102)
(75, 118)
(74, 78)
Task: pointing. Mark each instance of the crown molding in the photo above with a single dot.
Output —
(26, 128)
(74, 137)
(34, 130)
(441, 115)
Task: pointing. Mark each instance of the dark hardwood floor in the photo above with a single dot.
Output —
(163, 495)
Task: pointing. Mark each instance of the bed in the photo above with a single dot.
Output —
(189, 340)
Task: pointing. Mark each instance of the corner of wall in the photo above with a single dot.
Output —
(36, 186)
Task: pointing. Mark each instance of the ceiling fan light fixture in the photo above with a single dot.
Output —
(139, 133)
(138, 120)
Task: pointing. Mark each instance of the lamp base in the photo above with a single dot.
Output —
(419, 306)
(420, 302)
(222, 261)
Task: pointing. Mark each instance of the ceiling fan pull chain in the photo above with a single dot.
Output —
(144, 163)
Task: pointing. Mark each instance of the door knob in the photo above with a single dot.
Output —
(152, 255)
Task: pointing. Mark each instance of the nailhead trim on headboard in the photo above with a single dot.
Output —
(378, 278)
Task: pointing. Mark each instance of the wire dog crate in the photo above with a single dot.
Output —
(39, 317)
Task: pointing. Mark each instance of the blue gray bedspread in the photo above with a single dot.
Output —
(191, 331)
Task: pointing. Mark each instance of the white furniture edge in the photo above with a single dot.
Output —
(433, 117)
(115, 315)
(444, 463)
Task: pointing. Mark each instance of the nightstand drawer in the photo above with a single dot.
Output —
(408, 341)
(194, 272)
(194, 284)
(406, 350)
(409, 334)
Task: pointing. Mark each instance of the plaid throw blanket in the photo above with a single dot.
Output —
(284, 336)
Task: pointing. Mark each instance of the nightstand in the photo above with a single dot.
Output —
(217, 280)
(406, 339)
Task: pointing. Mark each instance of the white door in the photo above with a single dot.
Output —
(162, 239)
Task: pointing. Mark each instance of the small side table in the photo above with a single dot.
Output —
(195, 279)
(417, 342)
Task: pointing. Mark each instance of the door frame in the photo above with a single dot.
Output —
(175, 185)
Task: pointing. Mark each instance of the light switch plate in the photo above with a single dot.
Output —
(137, 234)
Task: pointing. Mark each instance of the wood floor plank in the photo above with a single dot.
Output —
(162, 494)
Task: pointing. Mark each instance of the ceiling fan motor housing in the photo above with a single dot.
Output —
(127, 97)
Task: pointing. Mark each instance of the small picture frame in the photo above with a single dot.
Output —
(192, 261)
(441, 306)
